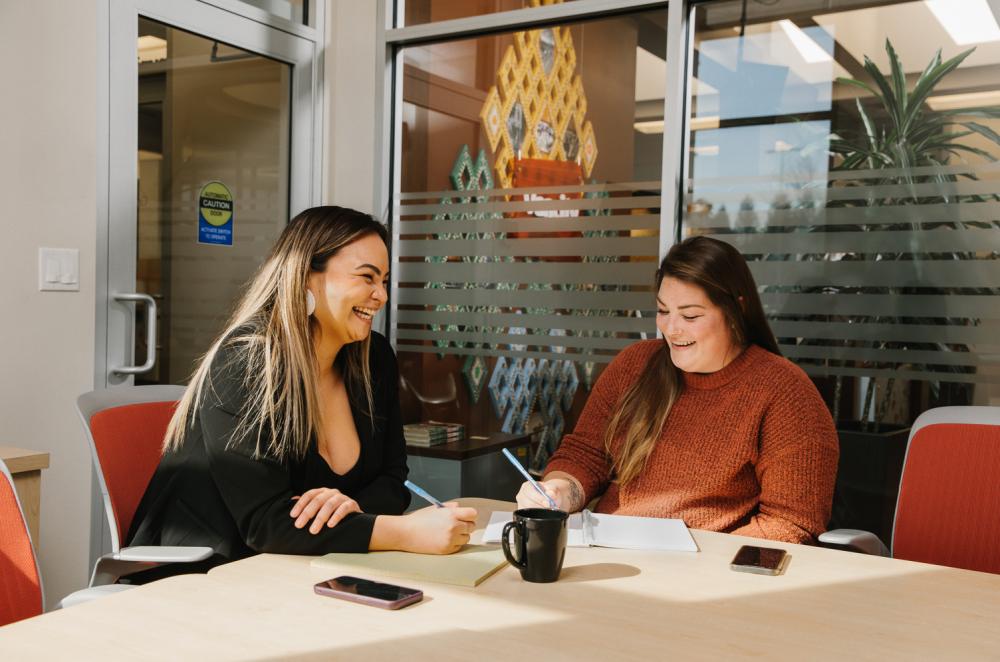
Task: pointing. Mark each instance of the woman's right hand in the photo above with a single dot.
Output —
(430, 530)
(560, 489)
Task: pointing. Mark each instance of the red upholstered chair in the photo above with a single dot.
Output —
(20, 582)
(948, 510)
(21, 593)
(125, 428)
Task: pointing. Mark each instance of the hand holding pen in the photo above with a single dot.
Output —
(534, 494)
(441, 529)
(422, 493)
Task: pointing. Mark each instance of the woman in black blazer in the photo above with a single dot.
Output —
(288, 438)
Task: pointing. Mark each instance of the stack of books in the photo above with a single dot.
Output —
(431, 433)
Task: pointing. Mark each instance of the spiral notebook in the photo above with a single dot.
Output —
(587, 529)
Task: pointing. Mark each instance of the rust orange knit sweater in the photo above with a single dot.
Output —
(750, 449)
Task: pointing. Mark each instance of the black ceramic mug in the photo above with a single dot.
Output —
(540, 542)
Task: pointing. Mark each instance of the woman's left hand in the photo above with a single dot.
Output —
(323, 506)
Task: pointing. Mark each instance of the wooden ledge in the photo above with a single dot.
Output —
(19, 460)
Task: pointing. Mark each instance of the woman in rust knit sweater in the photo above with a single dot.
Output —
(710, 424)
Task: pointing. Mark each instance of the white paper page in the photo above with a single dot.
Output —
(625, 532)
(574, 533)
(495, 526)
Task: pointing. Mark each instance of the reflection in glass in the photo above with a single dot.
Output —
(855, 168)
(527, 220)
(208, 112)
(797, 165)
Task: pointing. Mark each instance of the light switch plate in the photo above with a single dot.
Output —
(59, 269)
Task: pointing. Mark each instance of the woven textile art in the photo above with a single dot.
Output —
(538, 108)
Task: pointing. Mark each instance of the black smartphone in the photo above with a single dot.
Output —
(759, 560)
(368, 592)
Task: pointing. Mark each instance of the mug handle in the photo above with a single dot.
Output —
(505, 543)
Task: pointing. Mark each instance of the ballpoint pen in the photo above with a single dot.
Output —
(524, 472)
(419, 491)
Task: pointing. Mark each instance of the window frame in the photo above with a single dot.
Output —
(391, 40)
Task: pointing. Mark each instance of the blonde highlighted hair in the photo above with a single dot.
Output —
(271, 332)
(641, 413)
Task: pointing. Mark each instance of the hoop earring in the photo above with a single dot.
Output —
(310, 303)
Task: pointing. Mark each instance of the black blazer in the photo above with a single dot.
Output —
(208, 494)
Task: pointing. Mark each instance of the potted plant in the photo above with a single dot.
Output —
(902, 138)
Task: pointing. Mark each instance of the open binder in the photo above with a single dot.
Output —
(588, 529)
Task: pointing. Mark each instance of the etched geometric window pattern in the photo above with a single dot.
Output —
(525, 299)
(537, 283)
(467, 176)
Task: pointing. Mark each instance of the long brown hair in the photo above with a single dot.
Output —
(722, 273)
(273, 333)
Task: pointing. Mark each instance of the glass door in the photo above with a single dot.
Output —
(211, 131)
(210, 152)
(212, 160)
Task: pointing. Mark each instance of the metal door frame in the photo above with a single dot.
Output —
(229, 21)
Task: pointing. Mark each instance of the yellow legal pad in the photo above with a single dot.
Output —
(467, 567)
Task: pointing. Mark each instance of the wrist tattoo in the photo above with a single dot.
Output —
(575, 496)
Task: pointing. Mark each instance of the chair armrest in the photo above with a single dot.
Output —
(154, 554)
(854, 540)
(92, 593)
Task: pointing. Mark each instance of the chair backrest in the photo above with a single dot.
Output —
(948, 510)
(125, 427)
(20, 581)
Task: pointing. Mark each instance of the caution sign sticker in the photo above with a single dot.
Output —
(215, 214)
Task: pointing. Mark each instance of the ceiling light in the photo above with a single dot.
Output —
(709, 122)
(967, 21)
(648, 127)
(696, 124)
(706, 150)
(966, 100)
(151, 49)
(810, 51)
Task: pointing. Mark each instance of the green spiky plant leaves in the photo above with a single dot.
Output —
(912, 135)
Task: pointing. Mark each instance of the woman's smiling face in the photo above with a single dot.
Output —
(351, 289)
(696, 330)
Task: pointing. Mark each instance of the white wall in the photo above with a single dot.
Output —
(48, 148)
(349, 65)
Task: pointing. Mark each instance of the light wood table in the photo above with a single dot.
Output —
(25, 467)
(608, 605)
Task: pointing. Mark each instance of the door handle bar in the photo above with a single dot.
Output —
(150, 333)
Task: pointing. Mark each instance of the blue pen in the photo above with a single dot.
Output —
(524, 472)
(419, 491)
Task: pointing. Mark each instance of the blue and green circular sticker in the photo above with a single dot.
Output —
(215, 214)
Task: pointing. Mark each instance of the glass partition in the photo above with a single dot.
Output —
(527, 225)
(849, 151)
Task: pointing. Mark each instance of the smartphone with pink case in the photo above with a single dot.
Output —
(368, 592)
